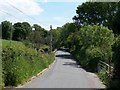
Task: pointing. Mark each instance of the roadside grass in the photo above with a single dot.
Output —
(21, 63)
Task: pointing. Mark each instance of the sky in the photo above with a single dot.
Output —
(41, 12)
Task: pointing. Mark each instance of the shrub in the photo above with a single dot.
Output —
(92, 43)
(93, 56)
(115, 81)
(103, 77)
(20, 63)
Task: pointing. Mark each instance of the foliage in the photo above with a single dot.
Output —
(101, 13)
(45, 49)
(94, 55)
(103, 77)
(55, 37)
(27, 27)
(24, 32)
(115, 81)
(91, 44)
(66, 30)
(18, 62)
(1, 80)
(116, 23)
(7, 30)
(38, 37)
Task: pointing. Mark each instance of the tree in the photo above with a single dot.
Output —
(22, 30)
(43, 32)
(7, 30)
(115, 81)
(19, 32)
(91, 44)
(38, 37)
(55, 37)
(116, 23)
(100, 13)
(27, 29)
(66, 30)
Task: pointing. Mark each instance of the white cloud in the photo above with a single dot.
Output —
(29, 7)
(61, 0)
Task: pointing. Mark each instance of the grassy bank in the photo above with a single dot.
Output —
(21, 63)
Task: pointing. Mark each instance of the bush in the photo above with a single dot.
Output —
(93, 56)
(115, 81)
(103, 77)
(91, 44)
(45, 48)
(20, 63)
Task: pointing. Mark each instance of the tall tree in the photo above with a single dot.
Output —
(67, 29)
(38, 36)
(19, 32)
(115, 82)
(7, 30)
(27, 29)
(55, 37)
(116, 21)
(22, 30)
(101, 13)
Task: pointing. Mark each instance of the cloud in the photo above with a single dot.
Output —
(61, 0)
(29, 7)
(11, 10)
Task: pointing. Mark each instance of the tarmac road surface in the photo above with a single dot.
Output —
(65, 73)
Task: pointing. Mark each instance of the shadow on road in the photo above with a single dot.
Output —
(64, 56)
(74, 64)
(68, 56)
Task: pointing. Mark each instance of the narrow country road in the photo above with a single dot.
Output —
(65, 73)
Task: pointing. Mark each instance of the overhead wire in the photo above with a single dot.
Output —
(21, 11)
(10, 14)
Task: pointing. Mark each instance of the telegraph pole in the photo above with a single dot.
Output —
(50, 38)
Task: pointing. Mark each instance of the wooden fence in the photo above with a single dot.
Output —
(102, 66)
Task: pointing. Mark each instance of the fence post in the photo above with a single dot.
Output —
(107, 67)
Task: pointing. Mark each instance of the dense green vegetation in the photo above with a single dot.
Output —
(89, 44)
(93, 43)
(23, 47)
(94, 36)
(33, 36)
(115, 81)
(18, 62)
(1, 83)
(101, 13)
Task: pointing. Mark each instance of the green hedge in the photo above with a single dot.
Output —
(103, 77)
(91, 44)
(115, 80)
(21, 63)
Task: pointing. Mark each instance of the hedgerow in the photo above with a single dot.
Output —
(91, 44)
(21, 63)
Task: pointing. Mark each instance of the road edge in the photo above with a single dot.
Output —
(39, 74)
